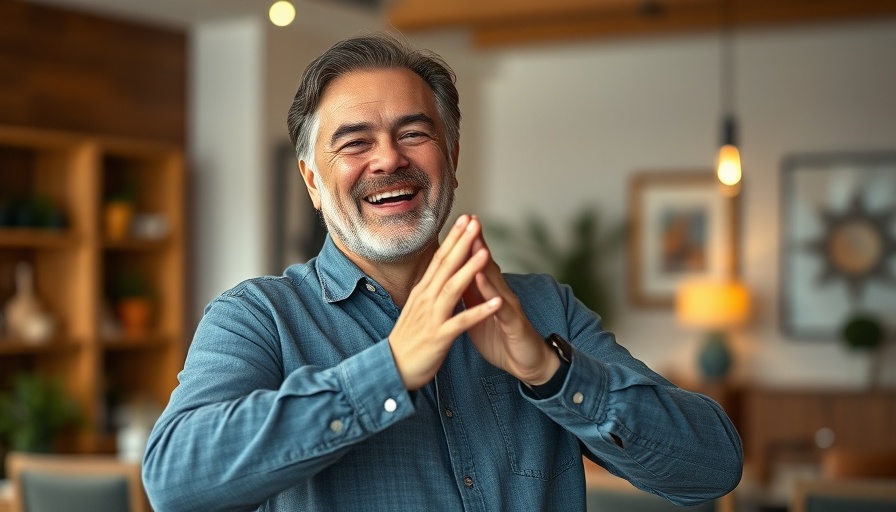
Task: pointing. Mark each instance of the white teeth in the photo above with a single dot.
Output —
(376, 198)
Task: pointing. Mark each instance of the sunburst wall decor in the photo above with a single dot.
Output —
(838, 241)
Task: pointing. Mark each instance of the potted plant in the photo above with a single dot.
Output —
(578, 263)
(33, 414)
(133, 302)
(865, 332)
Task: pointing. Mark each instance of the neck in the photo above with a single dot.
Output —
(398, 277)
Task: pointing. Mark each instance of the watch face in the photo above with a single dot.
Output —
(564, 350)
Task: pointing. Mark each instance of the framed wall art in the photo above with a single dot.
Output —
(838, 242)
(683, 227)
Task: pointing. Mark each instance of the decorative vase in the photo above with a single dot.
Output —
(25, 317)
(715, 358)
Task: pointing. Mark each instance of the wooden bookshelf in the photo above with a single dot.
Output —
(75, 267)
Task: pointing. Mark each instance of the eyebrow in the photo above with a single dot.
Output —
(416, 118)
(347, 129)
(350, 128)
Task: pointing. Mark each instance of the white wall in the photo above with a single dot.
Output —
(551, 129)
(225, 146)
(567, 125)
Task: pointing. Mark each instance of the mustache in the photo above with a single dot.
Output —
(412, 176)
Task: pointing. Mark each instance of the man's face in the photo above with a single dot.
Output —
(381, 177)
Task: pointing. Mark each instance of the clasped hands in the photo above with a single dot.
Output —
(463, 268)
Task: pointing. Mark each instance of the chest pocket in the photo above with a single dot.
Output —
(537, 447)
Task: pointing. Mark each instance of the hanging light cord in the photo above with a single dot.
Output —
(726, 66)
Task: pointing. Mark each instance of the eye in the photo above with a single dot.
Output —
(414, 136)
(354, 146)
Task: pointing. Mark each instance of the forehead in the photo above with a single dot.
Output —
(374, 96)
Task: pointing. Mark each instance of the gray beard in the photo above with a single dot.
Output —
(346, 223)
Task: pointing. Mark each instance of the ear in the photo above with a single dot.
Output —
(455, 153)
(308, 178)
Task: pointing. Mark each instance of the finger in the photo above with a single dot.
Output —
(445, 247)
(461, 281)
(457, 255)
(493, 271)
(469, 318)
(471, 296)
(490, 291)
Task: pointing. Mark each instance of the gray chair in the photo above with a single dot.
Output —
(615, 500)
(857, 495)
(72, 483)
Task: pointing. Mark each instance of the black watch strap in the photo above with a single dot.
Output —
(561, 346)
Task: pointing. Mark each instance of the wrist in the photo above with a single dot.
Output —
(553, 386)
(559, 352)
(550, 367)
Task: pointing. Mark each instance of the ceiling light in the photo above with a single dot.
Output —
(728, 168)
(282, 13)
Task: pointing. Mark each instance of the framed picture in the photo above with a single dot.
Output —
(299, 232)
(838, 242)
(682, 227)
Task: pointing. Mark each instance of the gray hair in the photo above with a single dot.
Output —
(374, 51)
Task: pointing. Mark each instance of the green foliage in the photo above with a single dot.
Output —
(130, 284)
(863, 332)
(579, 263)
(33, 413)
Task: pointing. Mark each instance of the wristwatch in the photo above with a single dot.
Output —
(561, 346)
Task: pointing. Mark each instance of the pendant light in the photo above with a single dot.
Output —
(282, 13)
(728, 168)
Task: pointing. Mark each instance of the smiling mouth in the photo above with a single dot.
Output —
(391, 196)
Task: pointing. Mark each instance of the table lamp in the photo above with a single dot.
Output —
(716, 307)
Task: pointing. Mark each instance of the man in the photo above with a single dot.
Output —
(395, 373)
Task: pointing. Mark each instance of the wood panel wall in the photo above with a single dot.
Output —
(65, 70)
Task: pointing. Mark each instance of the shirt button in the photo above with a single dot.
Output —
(336, 426)
(371, 288)
(449, 413)
(578, 397)
(390, 405)
(468, 481)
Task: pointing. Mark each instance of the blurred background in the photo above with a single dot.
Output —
(589, 146)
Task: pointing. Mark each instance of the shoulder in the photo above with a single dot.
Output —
(298, 281)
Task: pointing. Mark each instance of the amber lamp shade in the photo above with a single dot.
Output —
(714, 307)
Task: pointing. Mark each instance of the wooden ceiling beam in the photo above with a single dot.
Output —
(508, 22)
(416, 15)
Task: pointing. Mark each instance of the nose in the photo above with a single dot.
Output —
(387, 157)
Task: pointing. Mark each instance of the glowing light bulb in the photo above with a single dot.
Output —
(728, 165)
(282, 13)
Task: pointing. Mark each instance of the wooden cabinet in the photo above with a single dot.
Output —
(76, 267)
(800, 424)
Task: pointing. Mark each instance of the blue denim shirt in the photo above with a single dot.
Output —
(290, 400)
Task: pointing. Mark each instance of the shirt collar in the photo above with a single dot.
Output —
(339, 277)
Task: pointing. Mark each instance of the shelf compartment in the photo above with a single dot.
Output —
(15, 347)
(136, 244)
(27, 238)
(126, 343)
